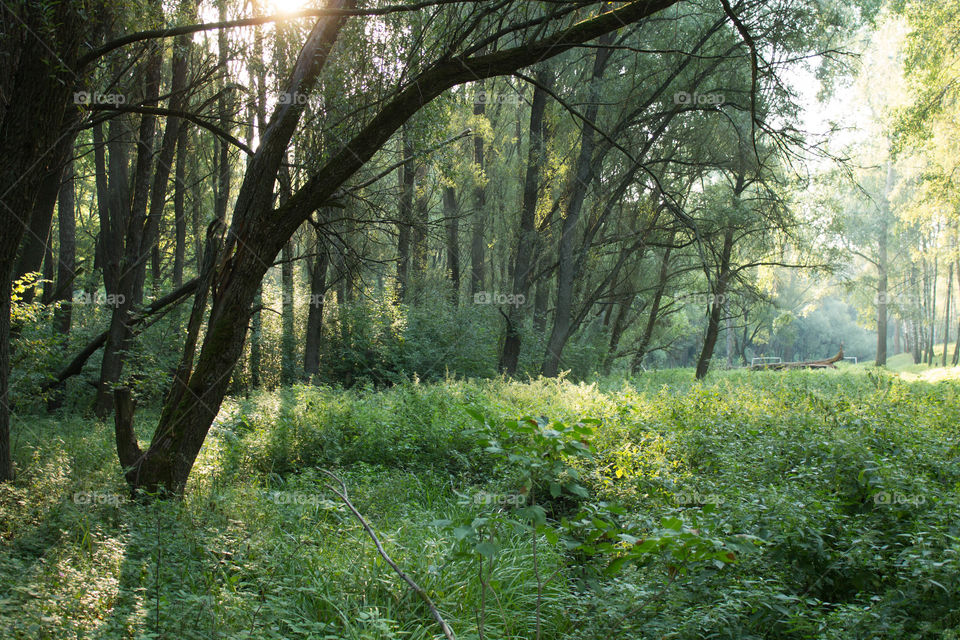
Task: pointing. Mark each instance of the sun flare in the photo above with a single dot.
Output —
(288, 6)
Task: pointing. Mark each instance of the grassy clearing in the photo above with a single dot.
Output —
(849, 479)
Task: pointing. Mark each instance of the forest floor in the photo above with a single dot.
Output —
(845, 483)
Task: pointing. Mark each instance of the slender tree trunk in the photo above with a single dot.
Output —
(716, 306)
(477, 230)
(133, 271)
(452, 214)
(288, 341)
(583, 176)
(179, 212)
(728, 332)
(946, 315)
(168, 146)
(47, 274)
(956, 348)
(318, 287)
(617, 330)
(256, 335)
(917, 313)
(882, 283)
(418, 231)
(637, 362)
(66, 258)
(897, 343)
(523, 257)
(407, 175)
(933, 311)
(541, 298)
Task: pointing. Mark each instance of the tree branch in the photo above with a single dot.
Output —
(342, 494)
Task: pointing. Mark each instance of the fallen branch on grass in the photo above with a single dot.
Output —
(447, 631)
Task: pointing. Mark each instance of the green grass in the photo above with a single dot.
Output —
(850, 478)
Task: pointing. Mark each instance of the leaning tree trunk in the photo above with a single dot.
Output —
(258, 231)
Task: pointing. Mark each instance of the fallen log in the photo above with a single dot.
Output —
(828, 363)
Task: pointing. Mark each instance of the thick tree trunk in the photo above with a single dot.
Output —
(36, 82)
(6, 290)
(36, 242)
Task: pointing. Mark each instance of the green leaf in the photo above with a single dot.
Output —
(614, 567)
(475, 414)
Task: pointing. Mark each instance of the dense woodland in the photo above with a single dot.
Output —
(324, 247)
